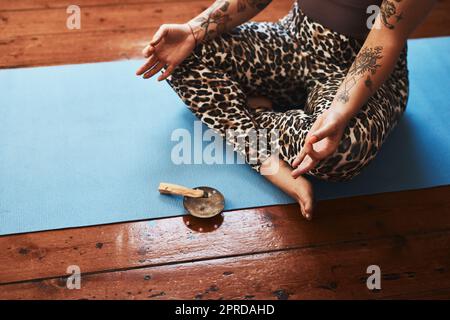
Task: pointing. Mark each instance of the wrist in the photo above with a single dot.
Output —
(340, 113)
(196, 30)
(192, 34)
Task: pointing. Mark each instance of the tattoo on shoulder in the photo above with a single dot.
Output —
(258, 4)
(365, 62)
(389, 10)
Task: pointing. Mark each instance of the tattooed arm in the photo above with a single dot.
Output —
(172, 43)
(372, 66)
(224, 15)
(378, 56)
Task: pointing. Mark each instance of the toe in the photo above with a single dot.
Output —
(306, 207)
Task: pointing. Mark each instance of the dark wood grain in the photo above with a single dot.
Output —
(337, 271)
(434, 294)
(147, 243)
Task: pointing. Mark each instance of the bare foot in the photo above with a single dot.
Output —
(279, 173)
(305, 196)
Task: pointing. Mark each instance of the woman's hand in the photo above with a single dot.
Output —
(171, 44)
(321, 141)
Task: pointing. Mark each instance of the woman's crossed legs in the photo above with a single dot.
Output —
(264, 59)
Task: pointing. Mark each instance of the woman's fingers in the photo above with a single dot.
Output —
(162, 31)
(154, 70)
(306, 150)
(310, 151)
(148, 51)
(307, 164)
(322, 133)
(147, 65)
(166, 72)
(308, 158)
(299, 158)
(328, 147)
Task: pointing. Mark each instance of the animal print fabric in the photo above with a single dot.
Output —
(298, 64)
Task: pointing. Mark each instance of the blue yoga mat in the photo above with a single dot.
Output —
(88, 144)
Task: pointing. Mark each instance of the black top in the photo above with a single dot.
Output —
(348, 17)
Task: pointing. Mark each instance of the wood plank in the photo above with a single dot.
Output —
(39, 38)
(122, 16)
(161, 241)
(79, 48)
(439, 294)
(22, 5)
(108, 18)
(408, 264)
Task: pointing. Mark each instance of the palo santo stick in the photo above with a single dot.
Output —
(170, 188)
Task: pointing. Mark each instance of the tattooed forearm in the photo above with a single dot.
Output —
(365, 65)
(215, 19)
(224, 15)
(389, 10)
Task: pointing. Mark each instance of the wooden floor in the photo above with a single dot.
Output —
(261, 253)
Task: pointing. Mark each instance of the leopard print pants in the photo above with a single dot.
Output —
(298, 64)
